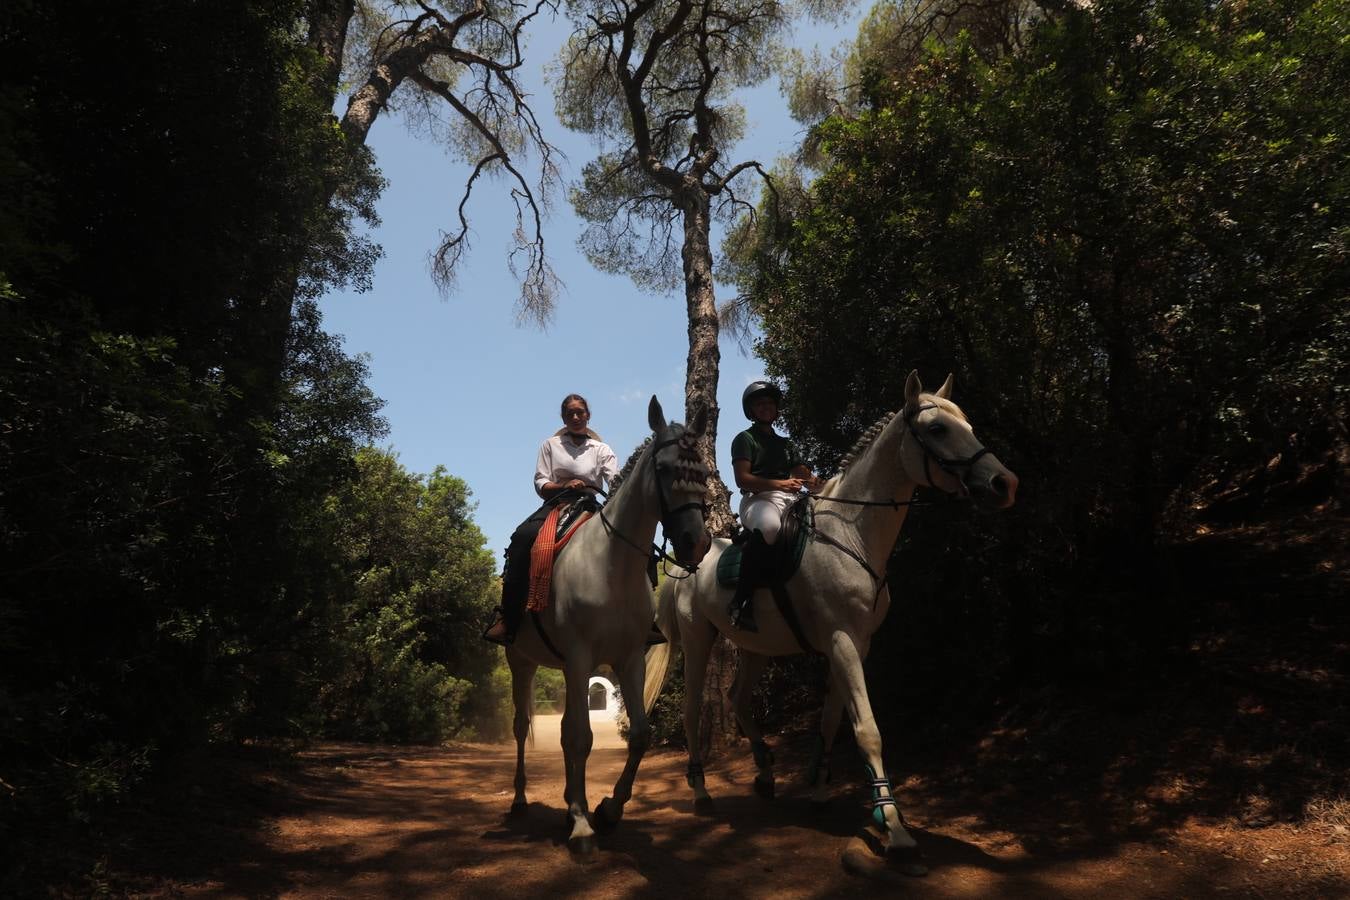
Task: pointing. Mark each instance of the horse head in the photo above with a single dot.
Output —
(941, 449)
(681, 484)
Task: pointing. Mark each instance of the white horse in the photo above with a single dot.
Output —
(600, 611)
(838, 595)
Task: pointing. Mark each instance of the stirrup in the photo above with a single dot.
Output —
(743, 617)
(505, 637)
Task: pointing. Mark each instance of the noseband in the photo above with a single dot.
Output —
(952, 465)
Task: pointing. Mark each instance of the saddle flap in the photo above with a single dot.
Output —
(785, 553)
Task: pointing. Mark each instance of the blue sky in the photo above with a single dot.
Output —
(465, 386)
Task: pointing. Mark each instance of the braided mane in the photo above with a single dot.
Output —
(865, 441)
(617, 481)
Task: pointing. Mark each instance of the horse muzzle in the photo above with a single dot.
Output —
(691, 548)
(992, 485)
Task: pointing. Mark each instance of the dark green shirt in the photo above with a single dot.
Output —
(771, 455)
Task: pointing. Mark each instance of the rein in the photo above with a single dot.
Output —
(893, 504)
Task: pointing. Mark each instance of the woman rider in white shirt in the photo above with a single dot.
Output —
(573, 464)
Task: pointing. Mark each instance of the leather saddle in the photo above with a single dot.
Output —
(785, 553)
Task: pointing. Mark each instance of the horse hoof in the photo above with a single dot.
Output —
(607, 814)
(703, 806)
(907, 861)
(582, 847)
(519, 810)
(764, 788)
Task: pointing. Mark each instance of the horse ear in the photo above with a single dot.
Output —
(655, 417)
(700, 421)
(913, 388)
(945, 392)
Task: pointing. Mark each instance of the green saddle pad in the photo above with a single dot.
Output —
(798, 526)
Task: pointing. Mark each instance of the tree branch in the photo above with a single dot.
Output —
(538, 284)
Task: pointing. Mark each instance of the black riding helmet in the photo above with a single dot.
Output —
(756, 389)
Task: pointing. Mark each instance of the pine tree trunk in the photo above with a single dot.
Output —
(700, 392)
(328, 23)
(700, 386)
(370, 99)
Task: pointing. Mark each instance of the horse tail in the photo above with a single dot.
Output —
(658, 657)
(658, 662)
(667, 606)
(529, 714)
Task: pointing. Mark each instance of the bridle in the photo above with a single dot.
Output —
(658, 554)
(949, 464)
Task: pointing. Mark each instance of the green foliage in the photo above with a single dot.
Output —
(1129, 242)
(418, 585)
(192, 547)
(549, 690)
(173, 414)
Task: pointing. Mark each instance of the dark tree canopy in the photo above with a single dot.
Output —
(179, 467)
(1128, 241)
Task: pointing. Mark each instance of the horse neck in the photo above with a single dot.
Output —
(877, 475)
(635, 510)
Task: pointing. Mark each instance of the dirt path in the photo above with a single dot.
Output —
(361, 821)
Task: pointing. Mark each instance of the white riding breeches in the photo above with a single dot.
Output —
(763, 512)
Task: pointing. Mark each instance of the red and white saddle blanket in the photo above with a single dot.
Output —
(546, 547)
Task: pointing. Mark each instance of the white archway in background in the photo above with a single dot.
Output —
(611, 708)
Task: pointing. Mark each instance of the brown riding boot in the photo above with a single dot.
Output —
(498, 633)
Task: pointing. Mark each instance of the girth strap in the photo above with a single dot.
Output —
(789, 614)
(543, 635)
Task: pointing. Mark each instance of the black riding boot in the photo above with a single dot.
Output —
(742, 607)
(515, 588)
(516, 580)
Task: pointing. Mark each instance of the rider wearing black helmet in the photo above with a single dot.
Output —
(770, 473)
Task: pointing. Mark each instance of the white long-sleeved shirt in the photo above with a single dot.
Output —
(561, 460)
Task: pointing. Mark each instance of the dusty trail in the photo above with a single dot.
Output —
(363, 821)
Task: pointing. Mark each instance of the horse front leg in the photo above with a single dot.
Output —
(576, 744)
(748, 670)
(846, 671)
(631, 679)
(522, 694)
(697, 647)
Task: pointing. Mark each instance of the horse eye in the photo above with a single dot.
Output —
(937, 428)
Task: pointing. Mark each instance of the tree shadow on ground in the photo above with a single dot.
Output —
(1249, 720)
(1073, 789)
(383, 821)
